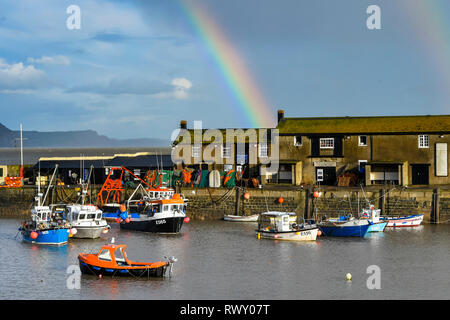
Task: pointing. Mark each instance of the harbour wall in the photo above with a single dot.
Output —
(214, 203)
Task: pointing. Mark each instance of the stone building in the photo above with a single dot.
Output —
(399, 150)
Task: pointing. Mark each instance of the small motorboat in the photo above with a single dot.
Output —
(406, 221)
(112, 260)
(277, 226)
(373, 216)
(251, 218)
(345, 226)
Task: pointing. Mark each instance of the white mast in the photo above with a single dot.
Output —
(21, 147)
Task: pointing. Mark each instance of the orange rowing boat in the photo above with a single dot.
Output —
(112, 260)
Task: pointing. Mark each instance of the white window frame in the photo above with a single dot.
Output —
(225, 154)
(424, 141)
(296, 142)
(196, 151)
(360, 143)
(326, 143)
(263, 150)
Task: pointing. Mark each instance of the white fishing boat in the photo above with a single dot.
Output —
(277, 225)
(414, 220)
(85, 219)
(251, 218)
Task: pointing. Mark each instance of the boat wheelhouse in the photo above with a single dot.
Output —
(374, 217)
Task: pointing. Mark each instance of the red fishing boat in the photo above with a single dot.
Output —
(112, 260)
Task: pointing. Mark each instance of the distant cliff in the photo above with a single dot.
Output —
(72, 139)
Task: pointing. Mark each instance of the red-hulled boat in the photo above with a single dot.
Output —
(112, 260)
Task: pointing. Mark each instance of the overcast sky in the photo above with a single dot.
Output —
(136, 68)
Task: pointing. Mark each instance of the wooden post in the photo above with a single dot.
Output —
(435, 212)
(238, 201)
(307, 200)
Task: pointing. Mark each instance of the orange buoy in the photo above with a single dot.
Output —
(319, 233)
(187, 219)
(246, 195)
(33, 235)
(280, 200)
(117, 220)
(316, 194)
(127, 220)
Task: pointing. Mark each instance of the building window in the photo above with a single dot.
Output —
(196, 151)
(298, 141)
(226, 152)
(362, 165)
(362, 141)
(263, 150)
(326, 143)
(424, 141)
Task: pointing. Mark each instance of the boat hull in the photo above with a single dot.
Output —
(377, 227)
(345, 231)
(116, 272)
(58, 236)
(409, 221)
(252, 218)
(88, 232)
(300, 235)
(162, 225)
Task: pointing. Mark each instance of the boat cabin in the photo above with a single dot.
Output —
(175, 204)
(83, 213)
(276, 221)
(372, 214)
(155, 194)
(41, 214)
(113, 253)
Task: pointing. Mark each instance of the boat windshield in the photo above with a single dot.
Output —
(105, 255)
(119, 256)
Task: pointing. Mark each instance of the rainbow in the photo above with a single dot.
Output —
(432, 32)
(231, 66)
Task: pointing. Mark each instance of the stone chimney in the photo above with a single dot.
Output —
(280, 115)
(183, 124)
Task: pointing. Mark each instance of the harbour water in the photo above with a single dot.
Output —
(225, 260)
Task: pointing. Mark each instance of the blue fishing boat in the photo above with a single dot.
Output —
(344, 226)
(45, 226)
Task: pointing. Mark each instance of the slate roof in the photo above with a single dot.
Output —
(366, 125)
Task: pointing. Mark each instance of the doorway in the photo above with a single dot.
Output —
(420, 174)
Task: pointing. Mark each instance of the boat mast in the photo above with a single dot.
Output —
(39, 184)
(21, 153)
(50, 184)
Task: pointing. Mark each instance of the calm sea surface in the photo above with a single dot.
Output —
(225, 260)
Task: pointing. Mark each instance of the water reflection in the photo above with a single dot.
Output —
(225, 260)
